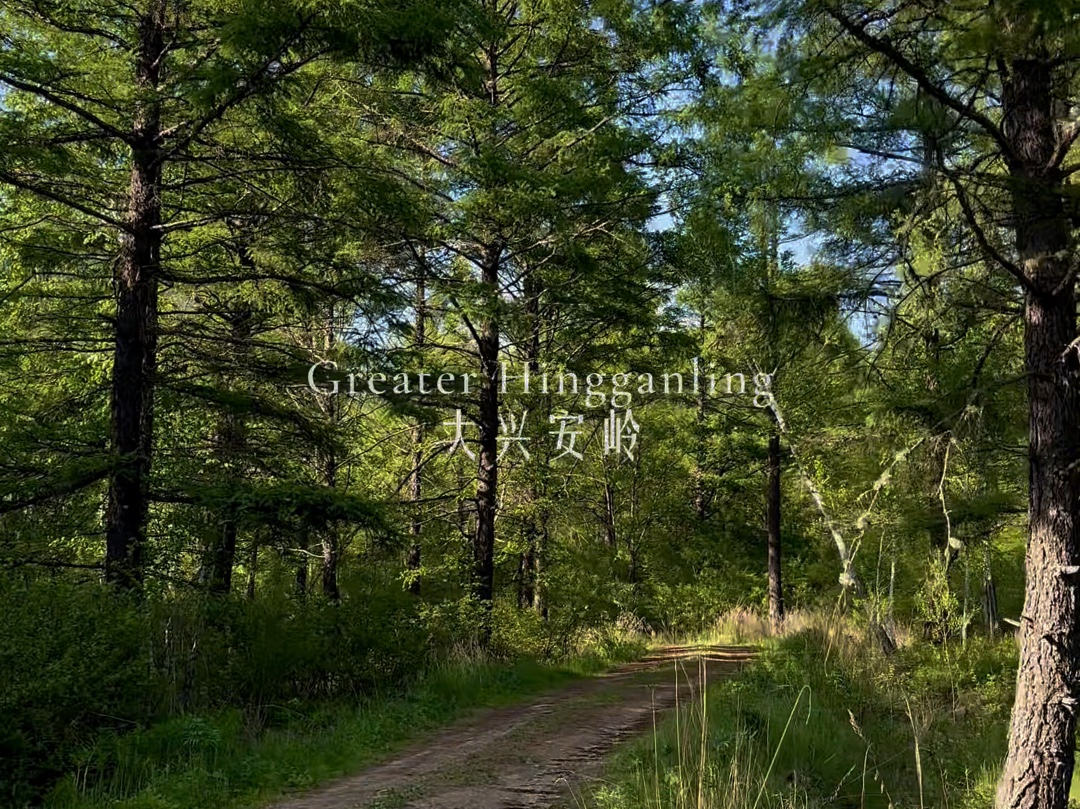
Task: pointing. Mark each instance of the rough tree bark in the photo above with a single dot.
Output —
(135, 283)
(1042, 735)
(487, 345)
(1033, 142)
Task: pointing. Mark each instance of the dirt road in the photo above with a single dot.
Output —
(535, 754)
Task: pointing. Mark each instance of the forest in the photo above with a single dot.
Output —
(370, 365)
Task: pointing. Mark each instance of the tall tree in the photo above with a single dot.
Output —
(528, 169)
(982, 89)
(142, 97)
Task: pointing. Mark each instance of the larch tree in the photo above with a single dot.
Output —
(531, 175)
(980, 97)
(143, 97)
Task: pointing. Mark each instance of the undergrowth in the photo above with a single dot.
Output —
(820, 719)
(172, 704)
(236, 759)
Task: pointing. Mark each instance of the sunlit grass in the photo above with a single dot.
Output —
(823, 719)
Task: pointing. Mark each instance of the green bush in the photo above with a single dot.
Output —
(82, 667)
(72, 663)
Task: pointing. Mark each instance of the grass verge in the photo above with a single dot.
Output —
(821, 720)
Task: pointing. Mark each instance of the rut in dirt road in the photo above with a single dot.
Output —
(533, 755)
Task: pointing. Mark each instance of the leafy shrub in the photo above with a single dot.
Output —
(937, 606)
(82, 667)
(74, 661)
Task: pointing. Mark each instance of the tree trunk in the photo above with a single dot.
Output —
(223, 557)
(253, 564)
(330, 536)
(330, 544)
(776, 590)
(610, 536)
(135, 282)
(416, 486)
(536, 486)
(524, 577)
(699, 438)
(849, 576)
(539, 602)
(327, 463)
(231, 442)
(302, 577)
(527, 566)
(1042, 735)
(989, 596)
(488, 463)
(412, 559)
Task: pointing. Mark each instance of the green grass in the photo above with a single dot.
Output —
(820, 720)
(241, 759)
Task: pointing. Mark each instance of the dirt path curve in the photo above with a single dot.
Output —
(534, 754)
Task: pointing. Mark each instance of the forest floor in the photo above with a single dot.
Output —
(540, 753)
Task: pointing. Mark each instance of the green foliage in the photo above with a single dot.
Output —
(937, 606)
(78, 663)
(75, 661)
(606, 187)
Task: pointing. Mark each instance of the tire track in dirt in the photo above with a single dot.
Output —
(534, 754)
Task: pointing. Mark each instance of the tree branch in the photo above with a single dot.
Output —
(920, 77)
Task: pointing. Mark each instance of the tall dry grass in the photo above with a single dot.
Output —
(822, 718)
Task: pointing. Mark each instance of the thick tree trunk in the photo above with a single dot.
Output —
(135, 283)
(223, 557)
(776, 590)
(488, 461)
(1042, 735)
